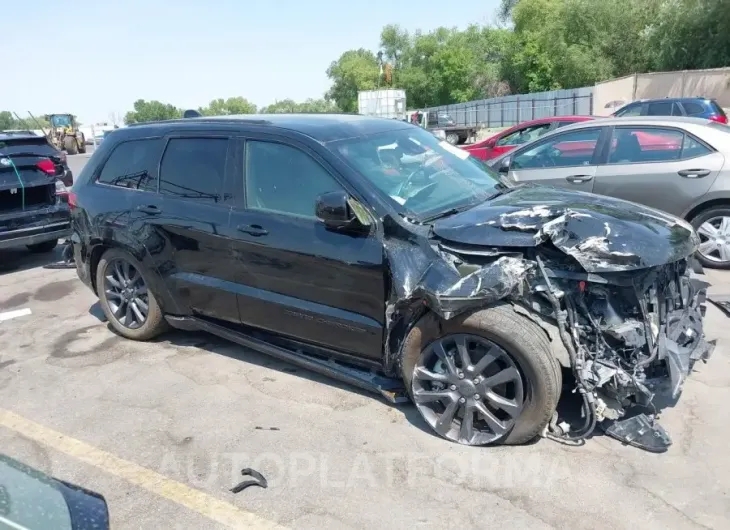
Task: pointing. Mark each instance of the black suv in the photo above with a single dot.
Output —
(368, 250)
(34, 177)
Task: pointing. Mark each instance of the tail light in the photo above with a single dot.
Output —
(719, 118)
(46, 165)
(72, 200)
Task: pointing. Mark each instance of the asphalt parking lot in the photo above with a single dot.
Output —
(163, 429)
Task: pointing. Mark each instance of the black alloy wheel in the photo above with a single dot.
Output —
(468, 389)
(126, 294)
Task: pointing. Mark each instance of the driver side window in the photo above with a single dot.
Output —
(570, 149)
(283, 179)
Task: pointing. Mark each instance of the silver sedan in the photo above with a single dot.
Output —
(678, 165)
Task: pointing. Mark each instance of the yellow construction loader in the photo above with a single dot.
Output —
(65, 134)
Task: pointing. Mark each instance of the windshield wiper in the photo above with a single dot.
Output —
(451, 211)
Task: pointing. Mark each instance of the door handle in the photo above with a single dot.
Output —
(578, 179)
(150, 209)
(693, 173)
(254, 230)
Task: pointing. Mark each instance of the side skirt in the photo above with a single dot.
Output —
(390, 388)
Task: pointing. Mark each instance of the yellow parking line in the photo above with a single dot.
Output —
(202, 503)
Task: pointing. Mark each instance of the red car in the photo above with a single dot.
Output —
(520, 134)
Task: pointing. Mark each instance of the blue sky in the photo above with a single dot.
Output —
(188, 52)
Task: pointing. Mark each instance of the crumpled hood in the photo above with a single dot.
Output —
(603, 234)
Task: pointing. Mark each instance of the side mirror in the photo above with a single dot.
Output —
(504, 165)
(333, 209)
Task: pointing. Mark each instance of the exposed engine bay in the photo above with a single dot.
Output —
(618, 298)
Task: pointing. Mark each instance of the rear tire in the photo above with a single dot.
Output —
(42, 248)
(82, 145)
(523, 341)
(712, 218)
(452, 138)
(154, 323)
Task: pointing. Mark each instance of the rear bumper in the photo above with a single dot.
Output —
(34, 226)
(33, 236)
(82, 260)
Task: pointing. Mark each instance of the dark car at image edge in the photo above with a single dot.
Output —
(34, 177)
(368, 250)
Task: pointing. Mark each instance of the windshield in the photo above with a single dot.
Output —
(418, 172)
(61, 121)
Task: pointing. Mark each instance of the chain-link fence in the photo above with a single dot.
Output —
(511, 110)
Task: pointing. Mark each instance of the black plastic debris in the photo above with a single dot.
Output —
(259, 428)
(639, 431)
(722, 302)
(257, 479)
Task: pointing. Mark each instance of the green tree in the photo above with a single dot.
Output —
(690, 34)
(307, 107)
(230, 106)
(355, 70)
(7, 120)
(154, 110)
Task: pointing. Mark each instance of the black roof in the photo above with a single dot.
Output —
(321, 127)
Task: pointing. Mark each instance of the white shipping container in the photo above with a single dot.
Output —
(385, 103)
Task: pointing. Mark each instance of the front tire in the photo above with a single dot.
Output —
(486, 377)
(124, 296)
(69, 144)
(713, 227)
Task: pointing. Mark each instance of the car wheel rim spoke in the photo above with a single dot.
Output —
(126, 294)
(715, 239)
(473, 404)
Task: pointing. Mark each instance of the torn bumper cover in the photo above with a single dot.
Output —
(613, 278)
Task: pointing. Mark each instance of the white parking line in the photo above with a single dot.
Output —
(8, 315)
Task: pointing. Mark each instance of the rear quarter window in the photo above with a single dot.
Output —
(692, 108)
(132, 165)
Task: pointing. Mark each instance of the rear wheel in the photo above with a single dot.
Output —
(82, 144)
(41, 248)
(452, 138)
(125, 297)
(713, 227)
(482, 378)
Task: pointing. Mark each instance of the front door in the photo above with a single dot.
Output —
(296, 277)
(662, 167)
(566, 160)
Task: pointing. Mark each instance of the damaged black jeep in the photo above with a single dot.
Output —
(370, 251)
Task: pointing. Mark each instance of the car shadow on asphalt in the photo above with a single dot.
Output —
(569, 406)
(18, 260)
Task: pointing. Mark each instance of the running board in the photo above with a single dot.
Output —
(389, 388)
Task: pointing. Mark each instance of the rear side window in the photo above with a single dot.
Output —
(692, 108)
(132, 165)
(632, 145)
(660, 108)
(194, 168)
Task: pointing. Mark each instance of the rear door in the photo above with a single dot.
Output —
(663, 167)
(565, 159)
(194, 252)
(296, 277)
